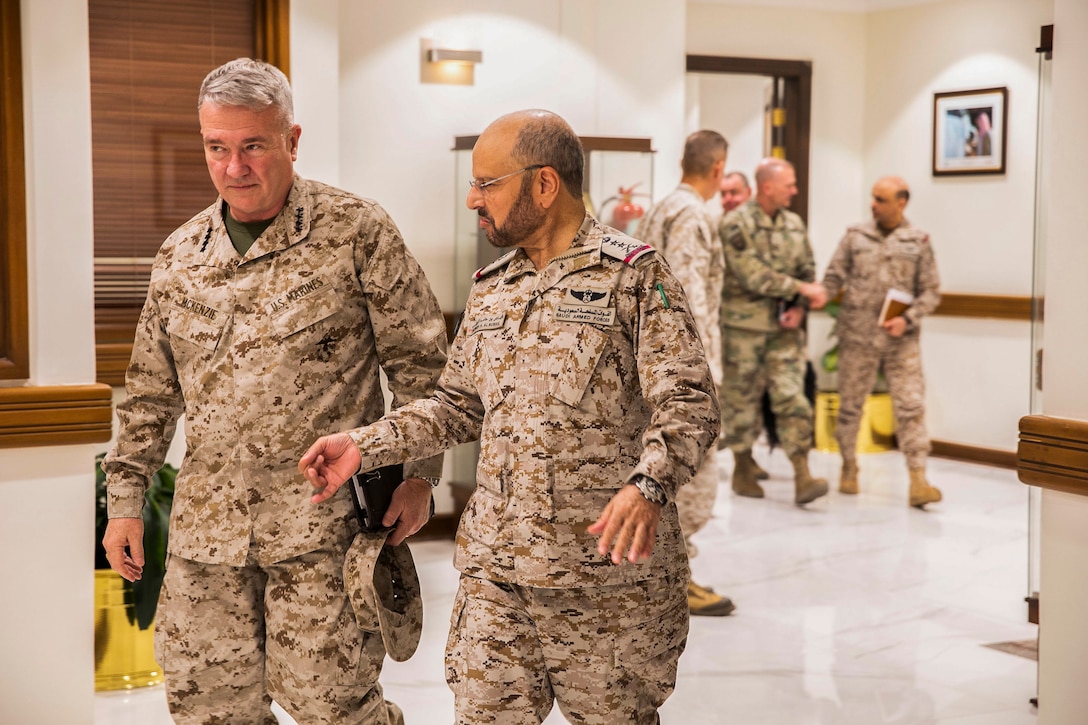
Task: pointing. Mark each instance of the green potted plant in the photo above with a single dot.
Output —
(159, 499)
(125, 611)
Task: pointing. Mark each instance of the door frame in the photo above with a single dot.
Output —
(797, 76)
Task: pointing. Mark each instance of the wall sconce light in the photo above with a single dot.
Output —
(446, 65)
(439, 55)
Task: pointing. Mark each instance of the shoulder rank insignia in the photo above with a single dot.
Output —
(497, 264)
(625, 249)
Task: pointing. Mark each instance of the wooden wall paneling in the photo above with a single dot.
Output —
(1053, 453)
(56, 415)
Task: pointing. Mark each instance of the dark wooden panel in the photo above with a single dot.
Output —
(1053, 453)
(55, 415)
(14, 325)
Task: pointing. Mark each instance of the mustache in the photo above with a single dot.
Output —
(484, 215)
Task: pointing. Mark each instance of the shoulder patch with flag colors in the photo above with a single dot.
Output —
(625, 249)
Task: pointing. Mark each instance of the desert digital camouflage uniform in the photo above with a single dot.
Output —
(683, 230)
(575, 378)
(866, 264)
(764, 258)
(261, 353)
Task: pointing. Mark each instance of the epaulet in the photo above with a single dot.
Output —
(625, 249)
(497, 264)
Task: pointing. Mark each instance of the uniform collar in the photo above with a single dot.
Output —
(584, 251)
(288, 228)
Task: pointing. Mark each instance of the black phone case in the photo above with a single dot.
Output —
(372, 491)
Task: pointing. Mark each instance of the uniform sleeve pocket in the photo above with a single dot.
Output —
(308, 311)
(576, 373)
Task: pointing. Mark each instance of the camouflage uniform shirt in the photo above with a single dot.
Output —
(681, 227)
(574, 378)
(263, 353)
(867, 264)
(764, 258)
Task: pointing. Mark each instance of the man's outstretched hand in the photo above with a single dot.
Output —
(328, 463)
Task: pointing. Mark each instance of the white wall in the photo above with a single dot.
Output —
(981, 226)
(835, 43)
(874, 75)
(1063, 596)
(570, 56)
(47, 494)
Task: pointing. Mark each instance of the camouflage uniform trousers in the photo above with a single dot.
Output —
(695, 500)
(606, 654)
(754, 360)
(902, 360)
(231, 639)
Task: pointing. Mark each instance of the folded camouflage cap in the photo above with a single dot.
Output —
(383, 587)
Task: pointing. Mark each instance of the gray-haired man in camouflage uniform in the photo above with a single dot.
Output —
(267, 318)
(579, 368)
(874, 257)
(683, 230)
(769, 277)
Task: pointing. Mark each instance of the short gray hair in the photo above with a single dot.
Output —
(251, 84)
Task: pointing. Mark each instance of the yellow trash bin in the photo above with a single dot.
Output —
(876, 433)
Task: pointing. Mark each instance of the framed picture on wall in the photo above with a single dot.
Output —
(969, 131)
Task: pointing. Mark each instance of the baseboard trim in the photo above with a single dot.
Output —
(973, 454)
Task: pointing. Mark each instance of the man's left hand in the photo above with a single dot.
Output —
(895, 326)
(628, 525)
(409, 509)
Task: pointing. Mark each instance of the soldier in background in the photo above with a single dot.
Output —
(267, 317)
(872, 258)
(768, 284)
(681, 228)
(734, 191)
(578, 367)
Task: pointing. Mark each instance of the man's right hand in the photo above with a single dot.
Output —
(328, 463)
(814, 292)
(122, 532)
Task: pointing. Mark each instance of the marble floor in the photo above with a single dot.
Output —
(856, 610)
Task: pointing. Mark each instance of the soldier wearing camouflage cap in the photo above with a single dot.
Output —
(578, 367)
(874, 257)
(268, 317)
(768, 284)
(681, 228)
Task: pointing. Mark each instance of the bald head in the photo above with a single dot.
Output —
(889, 199)
(776, 184)
(542, 137)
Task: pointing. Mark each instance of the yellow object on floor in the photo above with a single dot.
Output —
(877, 431)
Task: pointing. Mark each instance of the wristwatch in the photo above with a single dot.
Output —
(650, 489)
(433, 480)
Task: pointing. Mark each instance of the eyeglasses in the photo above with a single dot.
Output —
(481, 186)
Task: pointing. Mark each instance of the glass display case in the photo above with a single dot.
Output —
(617, 186)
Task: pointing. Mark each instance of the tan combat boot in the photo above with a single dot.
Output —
(848, 478)
(761, 475)
(744, 475)
(921, 492)
(806, 488)
(705, 602)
